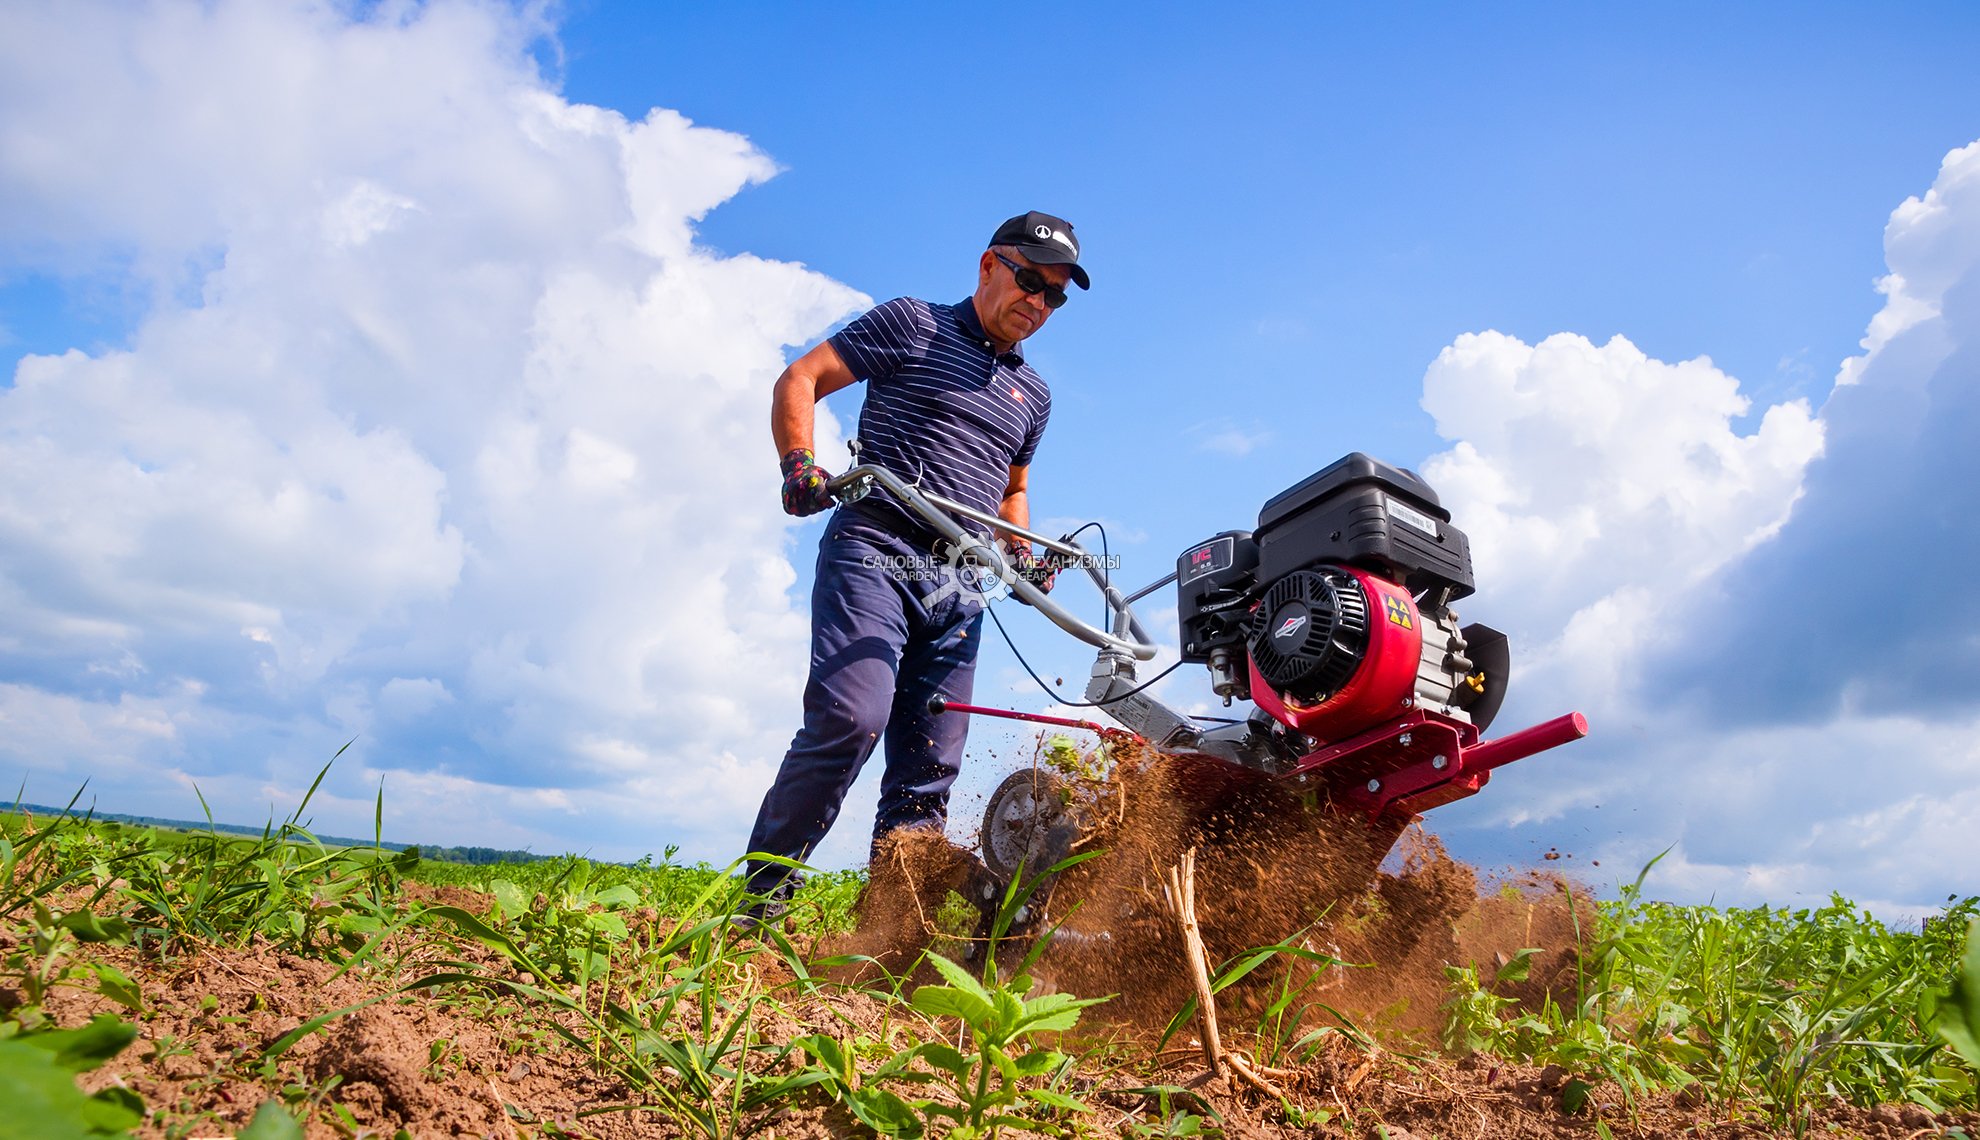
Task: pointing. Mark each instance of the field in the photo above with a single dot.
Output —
(183, 985)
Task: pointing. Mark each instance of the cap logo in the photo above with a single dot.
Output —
(1041, 232)
(1065, 240)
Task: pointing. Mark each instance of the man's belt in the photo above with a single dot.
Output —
(895, 520)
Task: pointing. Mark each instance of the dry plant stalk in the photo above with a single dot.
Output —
(1182, 896)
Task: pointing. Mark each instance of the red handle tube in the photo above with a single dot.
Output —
(938, 705)
(1527, 741)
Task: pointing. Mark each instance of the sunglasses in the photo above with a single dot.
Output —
(1033, 282)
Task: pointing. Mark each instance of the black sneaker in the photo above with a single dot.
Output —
(766, 910)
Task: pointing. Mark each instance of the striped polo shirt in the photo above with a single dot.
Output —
(941, 404)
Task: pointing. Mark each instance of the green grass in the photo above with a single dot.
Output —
(824, 903)
(1765, 1014)
(1765, 1010)
(635, 967)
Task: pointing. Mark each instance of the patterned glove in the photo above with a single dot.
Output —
(1040, 572)
(804, 483)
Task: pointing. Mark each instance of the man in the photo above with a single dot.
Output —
(950, 401)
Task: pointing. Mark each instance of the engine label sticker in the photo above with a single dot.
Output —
(1411, 517)
(1217, 554)
(1398, 611)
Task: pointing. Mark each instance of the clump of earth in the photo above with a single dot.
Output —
(1273, 867)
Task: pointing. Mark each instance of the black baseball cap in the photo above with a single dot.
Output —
(1046, 240)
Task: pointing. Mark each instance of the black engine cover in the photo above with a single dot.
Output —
(1365, 513)
(1310, 632)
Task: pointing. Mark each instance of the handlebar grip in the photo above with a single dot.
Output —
(863, 478)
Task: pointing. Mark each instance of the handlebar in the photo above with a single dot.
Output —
(940, 514)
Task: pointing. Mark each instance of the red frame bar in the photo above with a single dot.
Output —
(938, 705)
(1401, 756)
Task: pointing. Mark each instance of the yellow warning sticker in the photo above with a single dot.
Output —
(1398, 612)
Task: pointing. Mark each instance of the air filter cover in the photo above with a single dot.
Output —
(1310, 632)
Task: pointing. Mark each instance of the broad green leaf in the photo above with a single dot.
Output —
(1574, 1095)
(1059, 1019)
(1001, 1060)
(1519, 966)
(960, 978)
(87, 926)
(948, 1001)
(948, 1059)
(886, 1113)
(899, 1066)
(118, 987)
(1054, 1012)
(1959, 1013)
(509, 898)
(1039, 1062)
(1010, 1012)
(619, 896)
(43, 1103)
(115, 1109)
(829, 1053)
(82, 1049)
(271, 1123)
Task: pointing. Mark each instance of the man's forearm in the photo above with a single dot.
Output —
(1016, 509)
(794, 399)
(793, 412)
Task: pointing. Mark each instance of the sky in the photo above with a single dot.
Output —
(398, 374)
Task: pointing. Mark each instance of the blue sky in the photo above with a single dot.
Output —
(352, 292)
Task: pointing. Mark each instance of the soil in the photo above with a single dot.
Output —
(1271, 869)
(1276, 867)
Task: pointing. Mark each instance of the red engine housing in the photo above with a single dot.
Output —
(1381, 689)
(1377, 750)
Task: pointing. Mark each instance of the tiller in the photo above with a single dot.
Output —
(1333, 618)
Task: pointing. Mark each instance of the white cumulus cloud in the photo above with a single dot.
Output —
(437, 429)
(1596, 483)
(1772, 624)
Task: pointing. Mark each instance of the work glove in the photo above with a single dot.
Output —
(1040, 572)
(804, 483)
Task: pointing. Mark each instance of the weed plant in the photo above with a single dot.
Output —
(1774, 1009)
(824, 903)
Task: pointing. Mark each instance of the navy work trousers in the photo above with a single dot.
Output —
(891, 627)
